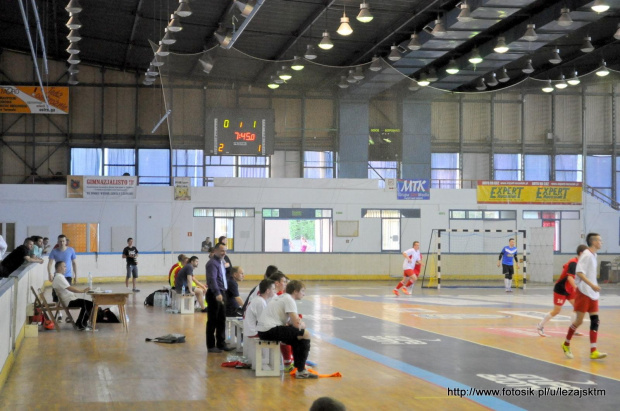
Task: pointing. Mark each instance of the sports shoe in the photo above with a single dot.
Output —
(135, 290)
(567, 351)
(228, 348)
(305, 375)
(597, 355)
(214, 350)
(87, 328)
(405, 291)
(541, 331)
(578, 334)
(395, 291)
(59, 319)
(289, 368)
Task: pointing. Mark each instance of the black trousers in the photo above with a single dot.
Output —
(216, 321)
(86, 308)
(288, 335)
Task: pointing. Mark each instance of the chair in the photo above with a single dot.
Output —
(66, 309)
(47, 309)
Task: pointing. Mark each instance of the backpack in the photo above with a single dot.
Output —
(150, 299)
(106, 316)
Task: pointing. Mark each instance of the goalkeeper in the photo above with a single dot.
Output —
(508, 257)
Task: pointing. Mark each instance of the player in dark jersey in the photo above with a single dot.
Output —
(506, 257)
(564, 289)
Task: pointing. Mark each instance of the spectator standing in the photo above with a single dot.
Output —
(67, 254)
(46, 246)
(206, 245)
(130, 254)
(227, 264)
(37, 248)
(17, 257)
(216, 301)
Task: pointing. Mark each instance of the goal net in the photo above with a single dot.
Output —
(471, 255)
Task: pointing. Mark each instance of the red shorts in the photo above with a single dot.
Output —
(585, 304)
(559, 299)
(410, 272)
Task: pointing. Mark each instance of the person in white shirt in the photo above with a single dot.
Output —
(65, 292)
(587, 297)
(411, 268)
(266, 290)
(279, 321)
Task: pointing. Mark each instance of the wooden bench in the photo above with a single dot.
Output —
(273, 365)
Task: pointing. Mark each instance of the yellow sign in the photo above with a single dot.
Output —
(529, 192)
(30, 100)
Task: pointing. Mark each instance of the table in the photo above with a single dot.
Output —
(118, 299)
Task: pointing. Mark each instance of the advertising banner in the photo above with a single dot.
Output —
(30, 100)
(101, 187)
(413, 190)
(529, 192)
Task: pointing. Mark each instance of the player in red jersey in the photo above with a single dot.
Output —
(411, 268)
(564, 289)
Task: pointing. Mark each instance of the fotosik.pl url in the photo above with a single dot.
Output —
(526, 392)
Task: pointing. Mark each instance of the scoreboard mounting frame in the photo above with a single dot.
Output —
(235, 131)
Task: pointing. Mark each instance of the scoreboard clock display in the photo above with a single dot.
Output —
(248, 132)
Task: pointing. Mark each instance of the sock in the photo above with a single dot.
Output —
(545, 320)
(569, 335)
(592, 344)
(287, 354)
(400, 284)
(506, 283)
(409, 283)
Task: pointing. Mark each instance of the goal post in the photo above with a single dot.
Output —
(472, 254)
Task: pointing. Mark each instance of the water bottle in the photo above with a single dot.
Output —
(183, 292)
(90, 280)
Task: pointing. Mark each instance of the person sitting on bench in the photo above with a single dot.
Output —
(65, 292)
(279, 321)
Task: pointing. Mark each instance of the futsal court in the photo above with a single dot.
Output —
(430, 350)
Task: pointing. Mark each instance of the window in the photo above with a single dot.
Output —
(390, 225)
(154, 166)
(568, 167)
(537, 167)
(598, 173)
(483, 215)
(253, 167)
(318, 164)
(445, 171)
(188, 163)
(236, 166)
(507, 167)
(7, 230)
(118, 161)
(382, 170)
(218, 166)
(86, 161)
(300, 230)
(83, 237)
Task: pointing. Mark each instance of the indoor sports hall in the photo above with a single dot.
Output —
(357, 145)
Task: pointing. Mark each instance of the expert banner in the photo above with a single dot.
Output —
(529, 192)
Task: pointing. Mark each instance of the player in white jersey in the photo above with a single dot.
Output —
(411, 268)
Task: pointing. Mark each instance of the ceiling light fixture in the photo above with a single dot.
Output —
(574, 80)
(475, 57)
(73, 48)
(414, 43)
(73, 80)
(503, 76)
(364, 15)
(492, 80)
(168, 37)
(343, 82)
(617, 33)
(439, 30)
(414, 86)
(162, 50)
(298, 64)
(480, 86)
(272, 84)
(152, 71)
(351, 78)
(565, 19)
(74, 36)
(561, 84)
(501, 46)
(555, 57)
(157, 62)
(245, 7)
(223, 36)
(206, 62)
(548, 87)
(452, 68)
(148, 81)
(284, 74)
(600, 6)
(345, 28)
(73, 59)
(183, 10)
(530, 33)
(528, 68)
(175, 24)
(73, 69)
(394, 54)
(74, 22)
(359, 73)
(73, 7)
(465, 14)
(326, 41)
(602, 70)
(376, 64)
(587, 46)
(432, 75)
(277, 79)
(310, 53)
(423, 81)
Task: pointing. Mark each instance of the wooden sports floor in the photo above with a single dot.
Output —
(430, 351)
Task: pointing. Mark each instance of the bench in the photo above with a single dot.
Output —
(234, 330)
(272, 367)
